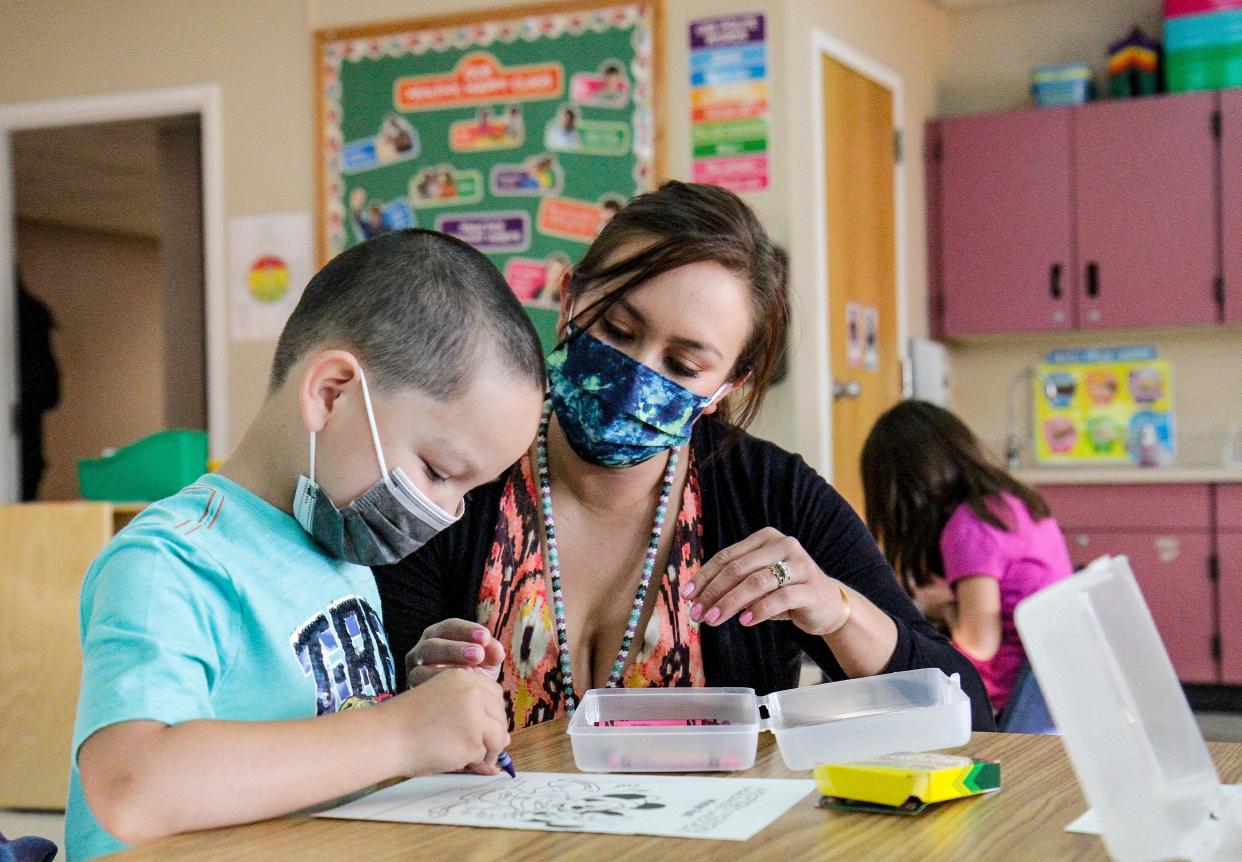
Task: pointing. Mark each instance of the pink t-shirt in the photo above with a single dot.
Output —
(1024, 559)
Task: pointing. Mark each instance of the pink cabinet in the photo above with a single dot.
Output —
(1131, 507)
(1229, 550)
(1229, 557)
(1100, 216)
(1229, 508)
(1231, 201)
(1005, 228)
(1167, 532)
(1172, 570)
(1145, 183)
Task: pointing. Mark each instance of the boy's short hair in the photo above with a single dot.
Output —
(419, 309)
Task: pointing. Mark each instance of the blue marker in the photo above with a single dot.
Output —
(505, 762)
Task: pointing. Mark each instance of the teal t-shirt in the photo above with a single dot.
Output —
(213, 604)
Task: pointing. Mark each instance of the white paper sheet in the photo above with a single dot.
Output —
(730, 809)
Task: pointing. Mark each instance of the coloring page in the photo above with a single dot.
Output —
(731, 809)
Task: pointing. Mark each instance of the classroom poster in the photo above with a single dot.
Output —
(1101, 406)
(270, 262)
(729, 102)
(519, 135)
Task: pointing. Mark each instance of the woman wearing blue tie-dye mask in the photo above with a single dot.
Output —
(646, 540)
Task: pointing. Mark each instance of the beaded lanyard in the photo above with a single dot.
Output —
(554, 567)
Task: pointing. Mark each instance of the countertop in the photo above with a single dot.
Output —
(1127, 475)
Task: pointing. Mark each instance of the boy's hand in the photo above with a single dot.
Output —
(453, 643)
(455, 720)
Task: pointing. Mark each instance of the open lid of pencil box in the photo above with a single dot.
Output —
(717, 729)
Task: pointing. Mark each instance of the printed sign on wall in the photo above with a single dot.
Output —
(729, 102)
(270, 261)
(1109, 405)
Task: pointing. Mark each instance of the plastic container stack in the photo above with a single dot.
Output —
(1058, 86)
(1203, 44)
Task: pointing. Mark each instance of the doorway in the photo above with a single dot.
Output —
(861, 206)
(110, 272)
(110, 212)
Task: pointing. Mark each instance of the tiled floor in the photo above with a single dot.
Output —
(1221, 726)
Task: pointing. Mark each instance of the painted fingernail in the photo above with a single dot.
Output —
(713, 615)
(688, 590)
(696, 612)
(746, 618)
(479, 635)
(472, 653)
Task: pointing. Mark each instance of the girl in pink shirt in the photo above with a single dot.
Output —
(967, 539)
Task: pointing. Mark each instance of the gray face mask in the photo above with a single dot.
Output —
(386, 524)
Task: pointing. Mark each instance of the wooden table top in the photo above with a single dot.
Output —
(1024, 821)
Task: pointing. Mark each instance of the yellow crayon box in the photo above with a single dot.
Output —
(897, 778)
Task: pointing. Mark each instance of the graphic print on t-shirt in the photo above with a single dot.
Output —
(344, 649)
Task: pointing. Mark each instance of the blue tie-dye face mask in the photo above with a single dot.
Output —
(615, 411)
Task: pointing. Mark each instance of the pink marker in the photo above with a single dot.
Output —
(662, 722)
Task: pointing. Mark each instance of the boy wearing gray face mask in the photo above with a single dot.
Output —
(230, 630)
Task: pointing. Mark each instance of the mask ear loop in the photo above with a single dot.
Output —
(379, 450)
(719, 392)
(312, 458)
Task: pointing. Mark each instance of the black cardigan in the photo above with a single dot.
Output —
(750, 485)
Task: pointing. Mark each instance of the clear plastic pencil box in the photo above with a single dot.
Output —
(836, 722)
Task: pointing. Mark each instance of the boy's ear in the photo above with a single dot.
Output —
(733, 387)
(324, 379)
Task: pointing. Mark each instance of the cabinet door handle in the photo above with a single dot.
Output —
(1054, 281)
(1093, 279)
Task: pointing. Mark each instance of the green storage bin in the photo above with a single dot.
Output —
(153, 468)
(1215, 67)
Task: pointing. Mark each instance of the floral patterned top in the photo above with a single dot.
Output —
(513, 604)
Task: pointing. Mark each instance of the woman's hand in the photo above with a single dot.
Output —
(453, 643)
(738, 580)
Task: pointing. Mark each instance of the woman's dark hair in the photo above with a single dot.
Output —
(685, 223)
(920, 462)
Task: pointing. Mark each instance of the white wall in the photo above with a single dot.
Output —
(993, 48)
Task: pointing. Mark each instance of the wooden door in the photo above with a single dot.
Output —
(859, 162)
(1145, 179)
(1231, 201)
(1006, 222)
(1173, 572)
(47, 548)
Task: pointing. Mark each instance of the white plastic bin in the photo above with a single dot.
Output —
(837, 722)
(1130, 734)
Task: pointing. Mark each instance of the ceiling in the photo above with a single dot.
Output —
(101, 177)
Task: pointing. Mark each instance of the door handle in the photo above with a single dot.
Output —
(1093, 279)
(851, 389)
(1054, 281)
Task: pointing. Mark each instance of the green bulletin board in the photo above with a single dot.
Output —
(520, 134)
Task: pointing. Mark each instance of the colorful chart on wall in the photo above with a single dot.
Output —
(1109, 405)
(520, 134)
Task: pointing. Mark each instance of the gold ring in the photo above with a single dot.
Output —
(781, 570)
